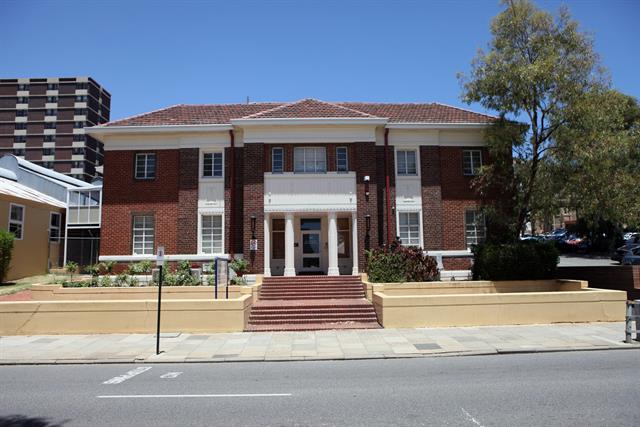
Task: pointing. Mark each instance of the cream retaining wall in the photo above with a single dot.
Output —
(58, 293)
(123, 316)
(516, 308)
(472, 287)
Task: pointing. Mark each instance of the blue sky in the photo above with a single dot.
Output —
(151, 54)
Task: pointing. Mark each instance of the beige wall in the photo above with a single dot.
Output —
(126, 316)
(31, 254)
(517, 308)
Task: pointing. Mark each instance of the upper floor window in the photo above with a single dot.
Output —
(52, 86)
(471, 162)
(81, 98)
(78, 125)
(277, 160)
(342, 159)
(52, 99)
(19, 138)
(212, 165)
(48, 151)
(21, 113)
(143, 234)
(16, 220)
(50, 112)
(409, 228)
(49, 138)
(82, 85)
(475, 228)
(50, 125)
(310, 159)
(23, 100)
(145, 166)
(54, 227)
(406, 162)
(21, 125)
(23, 86)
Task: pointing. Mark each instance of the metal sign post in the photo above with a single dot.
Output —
(160, 264)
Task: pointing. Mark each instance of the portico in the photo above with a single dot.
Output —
(308, 242)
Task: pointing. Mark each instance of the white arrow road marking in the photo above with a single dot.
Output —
(150, 396)
(170, 375)
(132, 373)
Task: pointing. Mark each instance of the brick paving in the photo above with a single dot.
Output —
(312, 345)
(18, 296)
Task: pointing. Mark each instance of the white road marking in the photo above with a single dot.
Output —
(170, 375)
(610, 341)
(470, 418)
(132, 373)
(153, 396)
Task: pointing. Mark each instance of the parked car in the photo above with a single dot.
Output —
(634, 236)
(530, 237)
(632, 257)
(620, 253)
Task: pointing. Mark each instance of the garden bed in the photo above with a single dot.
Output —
(439, 304)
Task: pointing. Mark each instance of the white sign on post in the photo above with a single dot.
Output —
(160, 257)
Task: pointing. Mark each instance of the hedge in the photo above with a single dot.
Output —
(396, 263)
(6, 248)
(524, 260)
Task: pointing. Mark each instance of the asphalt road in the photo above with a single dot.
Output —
(581, 388)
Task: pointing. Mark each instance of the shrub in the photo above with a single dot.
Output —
(107, 266)
(92, 269)
(6, 248)
(121, 280)
(524, 260)
(106, 282)
(396, 263)
(71, 267)
(239, 266)
(72, 284)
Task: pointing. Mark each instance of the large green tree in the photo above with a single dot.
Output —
(536, 70)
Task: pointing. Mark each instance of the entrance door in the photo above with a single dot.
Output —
(311, 245)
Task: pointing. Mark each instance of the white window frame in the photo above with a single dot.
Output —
(346, 159)
(212, 152)
(315, 159)
(58, 228)
(475, 168)
(145, 175)
(419, 214)
(222, 225)
(467, 237)
(144, 238)
(273, 152)
(17, 222)
(406, 172)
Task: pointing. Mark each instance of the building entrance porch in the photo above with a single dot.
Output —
(298, 243)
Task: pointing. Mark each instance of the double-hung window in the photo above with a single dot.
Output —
(54, 227)
(143, 234)
(342, 159)
(409, 227)
(310, 160)
(406, 162)
(145, 166)
(16, 220)
(471, 162)
(211, 234)
(277, 238)
(212, 165)
(344, 250)
(277, 160)
(475, 228)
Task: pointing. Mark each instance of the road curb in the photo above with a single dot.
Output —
(138, 360)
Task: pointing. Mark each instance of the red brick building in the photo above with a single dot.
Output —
(301, 187)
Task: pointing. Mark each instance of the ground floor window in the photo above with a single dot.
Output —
(277, 238)
(344, 249)
(16, 220)
(143, 234)
(409, 228)
(211, 234)
(475, 229)
(54, 227)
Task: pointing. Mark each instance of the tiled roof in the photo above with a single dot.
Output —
(306, 108)
(309, 108)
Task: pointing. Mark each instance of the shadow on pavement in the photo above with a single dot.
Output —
(24, 421)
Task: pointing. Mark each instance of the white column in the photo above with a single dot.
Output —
(267, 245)
(354, 242)
(333, 269)
(289, 267)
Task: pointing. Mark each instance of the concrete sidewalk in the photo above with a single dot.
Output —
(317, 345)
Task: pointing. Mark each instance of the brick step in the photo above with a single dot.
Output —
(309, 285)
(309, 305)
(313, 292)
(302, 282)
(303, 310)
(286, 314)
(313, 326)
(309, 297)
(300, 321)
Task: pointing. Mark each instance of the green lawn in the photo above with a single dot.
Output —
(22, 284)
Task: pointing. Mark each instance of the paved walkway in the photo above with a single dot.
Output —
(318, 345)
